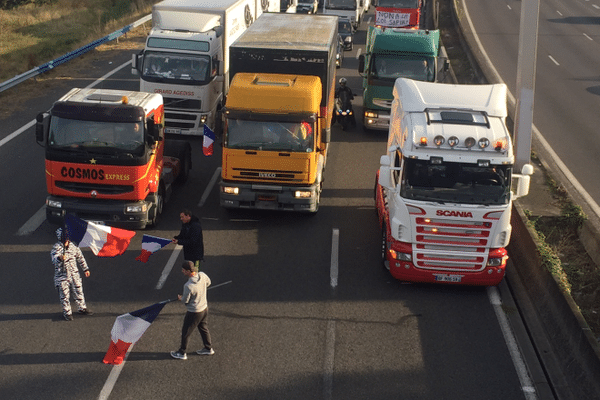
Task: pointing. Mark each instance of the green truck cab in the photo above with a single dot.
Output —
(393, 53)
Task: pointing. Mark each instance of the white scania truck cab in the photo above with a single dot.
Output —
(446, 184)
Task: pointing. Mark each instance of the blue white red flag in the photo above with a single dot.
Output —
(104, 241)
(151, 244)
(209, 139)
(128, 329)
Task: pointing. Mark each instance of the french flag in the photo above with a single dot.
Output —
(151, 244)
(105, 241)
(128, 329)
(209, 139)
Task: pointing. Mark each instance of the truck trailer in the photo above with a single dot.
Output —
(446, 184)
(107, 159)
(186, 57)
(393, 53)
(278, 113)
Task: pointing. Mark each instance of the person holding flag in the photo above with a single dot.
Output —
(67, 257)
(194, 298)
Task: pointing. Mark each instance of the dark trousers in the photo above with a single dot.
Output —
(190, 322)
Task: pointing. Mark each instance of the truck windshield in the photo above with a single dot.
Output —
(270, 135)
(390, 68)
(341, 4)
(176, 68)
(96, 137)
(451, 182)
(398, 3)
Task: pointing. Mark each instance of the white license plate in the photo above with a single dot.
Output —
(98, 222)
(175, 131)
(447, 278)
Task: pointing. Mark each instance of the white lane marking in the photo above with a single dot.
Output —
(329, 360)
(596, 7)
(168, 267)
(33, 223)
(587, 36)
(335, 244)
(559, 13)
(112, 377)
(511, 343)
(209, 187)
(30, 226)
(509, 7)
(553, 60)
(17, 132)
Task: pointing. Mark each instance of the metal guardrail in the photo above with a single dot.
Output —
(69, 56)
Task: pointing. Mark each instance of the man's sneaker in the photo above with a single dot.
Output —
(68, 317)
(86, 312)
(205, 352)
(178, 355)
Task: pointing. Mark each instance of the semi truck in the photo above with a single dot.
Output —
(351, 9)
(107, 159)
(393, 53)
(398, 14)
(186, 57)
(445, 186)
(278, 113)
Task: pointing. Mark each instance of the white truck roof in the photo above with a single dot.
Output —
(193, 15)
(147, 101)
(416, 96)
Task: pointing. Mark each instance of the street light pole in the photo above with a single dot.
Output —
(526, 68)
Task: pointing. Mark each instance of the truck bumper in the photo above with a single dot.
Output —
(376, 120)
(269, 197)
(188, 122)
(406, 271)
(109, 212)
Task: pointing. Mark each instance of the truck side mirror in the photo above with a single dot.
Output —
(41, 127)
(153, 134)
(361, 64)
(523, 180)
(135, 63)
(385, 172)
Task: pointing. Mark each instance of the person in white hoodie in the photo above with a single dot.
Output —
(194, 298)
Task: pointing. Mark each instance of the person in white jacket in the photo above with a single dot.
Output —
(194, 298)
(67, 258)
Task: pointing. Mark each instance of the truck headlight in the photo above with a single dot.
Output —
(302, 194)
(138, 208)
(401, 256)
(371, 114)
(231, 190)
(54, 203)
(203, 118)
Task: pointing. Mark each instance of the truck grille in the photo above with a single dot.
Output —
(267, 175)
(383, 103)
(187, 104)
(452, 245)
(78, 187)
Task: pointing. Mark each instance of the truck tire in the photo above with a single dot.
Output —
(158, 202)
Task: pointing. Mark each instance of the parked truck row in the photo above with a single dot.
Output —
(445, 185)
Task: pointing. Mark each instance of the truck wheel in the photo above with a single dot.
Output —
(319, 190)
(157, 207)
(384, 247)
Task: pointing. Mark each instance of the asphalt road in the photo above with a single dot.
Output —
(280, 328)
(567, 87)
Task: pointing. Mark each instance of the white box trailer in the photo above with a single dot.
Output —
(186, 58)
